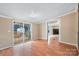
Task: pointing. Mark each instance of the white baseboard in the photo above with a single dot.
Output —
(68, 43)
(6, 47)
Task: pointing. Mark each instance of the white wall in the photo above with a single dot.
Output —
(69, 28)
(43, 31)
(5, 33)
(35, 31)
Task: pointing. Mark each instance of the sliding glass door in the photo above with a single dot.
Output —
(18, 33)
(27, 32)
(22, 33)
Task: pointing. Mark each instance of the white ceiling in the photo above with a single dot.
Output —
(35, 11)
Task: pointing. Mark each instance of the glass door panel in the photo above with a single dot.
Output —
(18, 33)
(27, 32)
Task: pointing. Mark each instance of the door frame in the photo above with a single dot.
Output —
(23, 34)
(59, 28)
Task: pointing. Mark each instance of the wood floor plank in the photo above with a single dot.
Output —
(40, 48)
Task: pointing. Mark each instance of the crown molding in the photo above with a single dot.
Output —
(6, 17)
(58, 17)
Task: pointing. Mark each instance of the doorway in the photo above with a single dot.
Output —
(53, 31)
(22, 32)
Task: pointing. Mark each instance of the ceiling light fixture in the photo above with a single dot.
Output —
(34, 15)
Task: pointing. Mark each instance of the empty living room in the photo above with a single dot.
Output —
(39, 29)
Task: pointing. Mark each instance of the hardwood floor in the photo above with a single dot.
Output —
(40, 48)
